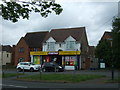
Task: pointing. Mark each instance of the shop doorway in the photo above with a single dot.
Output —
(59, 60)
(53, 58)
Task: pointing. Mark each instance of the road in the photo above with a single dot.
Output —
(26, 84)
(11, 83)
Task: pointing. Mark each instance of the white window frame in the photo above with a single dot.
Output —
(70, 45)
(50, 46)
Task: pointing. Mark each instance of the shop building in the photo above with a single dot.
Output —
(67, 47)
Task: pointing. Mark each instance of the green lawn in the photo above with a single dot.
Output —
(7, 75)
(61, 77)
(116, 80)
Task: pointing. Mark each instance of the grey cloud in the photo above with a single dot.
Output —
(93, 16)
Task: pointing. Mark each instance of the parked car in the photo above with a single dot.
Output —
(52, 66)
(27, 66)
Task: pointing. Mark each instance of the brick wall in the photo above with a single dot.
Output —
(21, 52)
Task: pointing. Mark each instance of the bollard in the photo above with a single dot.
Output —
(23, 70)
(55, 70)
(17, 76)
(3, 74)
(40, 70)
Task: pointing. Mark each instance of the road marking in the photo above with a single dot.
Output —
(13, 86)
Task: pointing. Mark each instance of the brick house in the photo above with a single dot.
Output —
(107, 36)
(93, 62)
(30, 42)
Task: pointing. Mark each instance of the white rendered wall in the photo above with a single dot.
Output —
(63, 44)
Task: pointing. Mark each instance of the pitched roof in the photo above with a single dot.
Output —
(107, 35)
(7, 48)
(35, 39)
(62, 34)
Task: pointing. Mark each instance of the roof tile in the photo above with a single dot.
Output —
(61, 34)
(35, 39)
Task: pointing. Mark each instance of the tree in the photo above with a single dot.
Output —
(103, 51)
(109, 50)
(116, 42)
(21, 9)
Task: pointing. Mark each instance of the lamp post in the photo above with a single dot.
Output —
(76, 60)
(112, 57)
(112, 72)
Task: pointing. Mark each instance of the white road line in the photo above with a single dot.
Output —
(13, 86)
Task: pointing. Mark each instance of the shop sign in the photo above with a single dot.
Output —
(69, 52)
(52, 53)
(39, 53)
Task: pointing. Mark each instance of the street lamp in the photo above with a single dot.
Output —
(112, 72)
(111, 41)
(76, 65)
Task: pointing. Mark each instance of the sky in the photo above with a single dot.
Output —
(96, 17)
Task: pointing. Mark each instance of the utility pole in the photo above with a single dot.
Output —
(1, 58)
(111, 41)
(119, 9)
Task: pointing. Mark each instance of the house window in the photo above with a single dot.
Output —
(21, 49)
(35, 49)
(7, 55)
(59, 45)
(70, 45)
(21, 59)
(51, 46)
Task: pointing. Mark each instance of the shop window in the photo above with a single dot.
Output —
(36, 59)
(47, 59)
(70, 60)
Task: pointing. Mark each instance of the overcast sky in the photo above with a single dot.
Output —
(95, 16)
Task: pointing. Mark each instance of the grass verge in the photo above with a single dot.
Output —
(116, 80)
(61, 77)
(7, 75)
